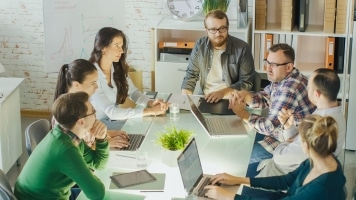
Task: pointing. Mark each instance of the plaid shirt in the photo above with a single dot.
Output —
(290, 93)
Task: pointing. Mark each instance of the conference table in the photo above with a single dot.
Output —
(217, 155)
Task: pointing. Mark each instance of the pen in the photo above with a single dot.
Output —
(125, 156)
(152, 191)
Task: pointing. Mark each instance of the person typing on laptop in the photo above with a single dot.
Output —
(319, 177)
(222, 62)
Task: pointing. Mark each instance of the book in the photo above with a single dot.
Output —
(339, 54)
(302, 14)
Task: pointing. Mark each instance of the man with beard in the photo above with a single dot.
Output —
(222, 62)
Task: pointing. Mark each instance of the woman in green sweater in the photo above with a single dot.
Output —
(319, 177)
(62, 159)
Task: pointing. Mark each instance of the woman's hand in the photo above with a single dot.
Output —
(156, 102)
(118, 139)
(216, 192)
(225, 179)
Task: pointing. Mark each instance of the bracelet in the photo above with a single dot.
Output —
(102, 140)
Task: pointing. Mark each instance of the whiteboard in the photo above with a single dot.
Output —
(70, 27)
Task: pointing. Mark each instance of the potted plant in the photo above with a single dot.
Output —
(173, 142)
(209, 5)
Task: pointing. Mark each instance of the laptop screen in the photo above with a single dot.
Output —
(190, 166)
(195, 110)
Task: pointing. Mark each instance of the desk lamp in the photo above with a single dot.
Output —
(2, 69)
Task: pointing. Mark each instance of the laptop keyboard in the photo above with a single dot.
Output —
(217, 125)
(135, 142)
(201, 190)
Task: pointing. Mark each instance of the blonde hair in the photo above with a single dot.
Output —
(320, 133)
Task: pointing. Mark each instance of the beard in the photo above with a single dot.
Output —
(218, 41)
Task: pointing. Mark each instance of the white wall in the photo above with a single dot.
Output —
(22, 44)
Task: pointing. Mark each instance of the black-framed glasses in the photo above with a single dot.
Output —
(273, 65)
(93, 113)
(222, 29)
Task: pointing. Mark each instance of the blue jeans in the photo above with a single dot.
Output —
(74, 193)
(257, 155)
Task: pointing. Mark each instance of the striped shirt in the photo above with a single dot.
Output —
(290, 93)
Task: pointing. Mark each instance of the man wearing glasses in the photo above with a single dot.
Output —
(287, 90)
(62, 159)
(222, 62)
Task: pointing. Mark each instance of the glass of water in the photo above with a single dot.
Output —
(174, 111)
(141, 159)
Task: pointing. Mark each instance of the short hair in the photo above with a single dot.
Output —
(218, 14)
(288, 51)
(320, 133)
(327, 82)
(70, 107)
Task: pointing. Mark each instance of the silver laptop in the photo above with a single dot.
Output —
(135, 140)
(191, 172)
(218, 125)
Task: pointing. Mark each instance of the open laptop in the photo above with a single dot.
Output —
(135, 140)
(191, 172)
(218, 125)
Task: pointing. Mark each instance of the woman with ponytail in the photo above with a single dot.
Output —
(319, 177)
(81, 75)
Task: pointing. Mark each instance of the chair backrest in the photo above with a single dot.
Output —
(256, 83)
(5, 188)
(35, 132)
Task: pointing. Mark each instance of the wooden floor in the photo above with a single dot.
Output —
(349, 163)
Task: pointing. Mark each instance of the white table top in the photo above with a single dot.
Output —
(7, 86)
(217, 155)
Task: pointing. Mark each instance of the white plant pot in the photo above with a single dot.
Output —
(169, 157)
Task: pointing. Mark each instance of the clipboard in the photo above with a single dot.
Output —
(132, 178)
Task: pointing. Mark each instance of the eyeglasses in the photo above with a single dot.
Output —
(273, 65)
(222, 29)
(93, 113)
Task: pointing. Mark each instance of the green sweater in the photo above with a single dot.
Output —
(57, 164)
(326, 186)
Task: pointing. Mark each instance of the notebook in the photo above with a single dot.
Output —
(135, 140)
(219, 108)
(191, 172)
(218, 125)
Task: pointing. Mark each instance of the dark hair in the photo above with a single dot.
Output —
(288, 51)
(70, 107)
(77, 70)
(218, 14)
(320, 133)
(327, 82)
(103, 39)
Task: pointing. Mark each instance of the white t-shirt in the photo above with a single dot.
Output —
(214, 81)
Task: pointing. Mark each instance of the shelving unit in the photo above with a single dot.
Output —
(310, 46)
(169, 75)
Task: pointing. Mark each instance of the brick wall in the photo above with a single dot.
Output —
(22, 45)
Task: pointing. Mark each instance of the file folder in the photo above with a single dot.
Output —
(302, 14)
(268, 43)
(330, 51)
(339, 54)
(182, 45)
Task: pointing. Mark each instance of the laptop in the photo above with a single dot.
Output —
(219, 108)
(191, 172)
(135, 140)
(218, 125)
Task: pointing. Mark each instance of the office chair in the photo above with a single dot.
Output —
(5, 188)
(256, 83)
(35, 132)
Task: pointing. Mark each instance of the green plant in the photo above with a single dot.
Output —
(209, 5)
(173, 139)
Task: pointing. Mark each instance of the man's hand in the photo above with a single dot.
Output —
(286, 118)
(214, 96)
(184, 91)
(99, 130)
